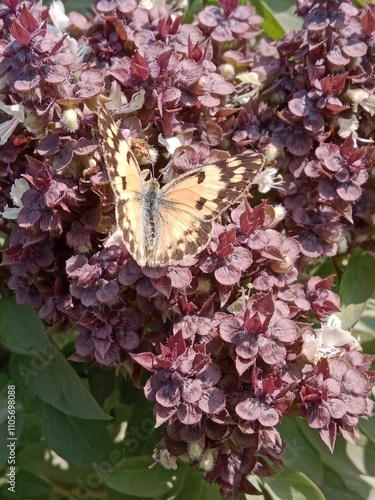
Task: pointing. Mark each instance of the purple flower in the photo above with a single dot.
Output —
(236, 22)
(183, 384)
(335, 395)
(257, 334)
(227, 335)
(225, 260)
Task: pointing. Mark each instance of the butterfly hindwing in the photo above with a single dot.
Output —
(161, 226)
(179, 235)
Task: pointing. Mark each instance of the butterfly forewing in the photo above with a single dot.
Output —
(206, 192)
(126, 180)
(122, 166)
(164, 226)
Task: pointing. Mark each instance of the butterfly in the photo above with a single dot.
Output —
(163, 225)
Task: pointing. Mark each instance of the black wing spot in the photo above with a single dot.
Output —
(200, 203)
(201, 177)
(124, 183)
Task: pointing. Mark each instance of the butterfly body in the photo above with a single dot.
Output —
(150, 200)
(163, 225)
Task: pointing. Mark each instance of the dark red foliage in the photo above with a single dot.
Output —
(228, 335)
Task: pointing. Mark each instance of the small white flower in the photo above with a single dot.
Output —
(347, 126)
(327, 340)
(70, 120)
(114, 238)
(117, 98)
(310, 348)
(240, 303)
(135, 103)
(227, 71)
(121, 433)
(364, 98)
(207, 461)
(19, 187)
(280, 212)
(164, 458)
(10, 212)
(17, 112)
(331, 333)
(154, 155)
(268, 179)
(119, 104)
(82, 51)
(250, 77)
(195, 450)
(244, 98)
(172, 143)
(146, 4)
(58, 17)
(6, 130)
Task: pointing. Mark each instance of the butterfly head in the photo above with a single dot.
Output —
(152, 185)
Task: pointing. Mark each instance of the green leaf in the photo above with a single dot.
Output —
(21, 331)
(188, 487)
(363, 3)
(54, 381)
(194, 486)
(270, 24)
(357, 286)
(3, 433)
(134, 477)
(193, 8)
(348, 472)
(283, 11)
(38, 459)
(324, 268)
(141, 435)
(102, 383)
(30, 486)
(116, 495)
(80, 441)
(298, 452)
(82, 6)
(368, 428)
(364, 329)
(293, 485)
(3, 240)
(345, 474)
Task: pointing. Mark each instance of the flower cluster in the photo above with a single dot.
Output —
(322, 85)
(228, 335)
